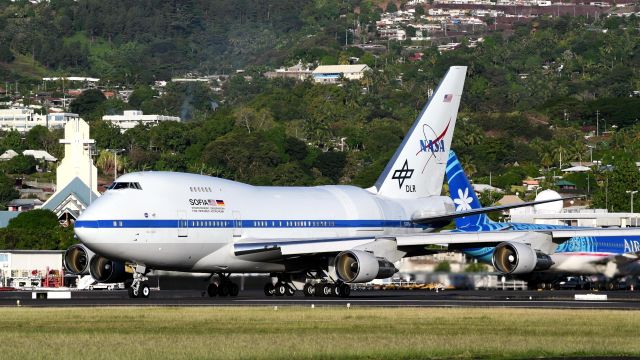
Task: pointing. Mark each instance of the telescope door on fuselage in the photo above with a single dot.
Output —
(237, 225)
(183, 224)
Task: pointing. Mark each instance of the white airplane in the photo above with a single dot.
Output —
(343, 234)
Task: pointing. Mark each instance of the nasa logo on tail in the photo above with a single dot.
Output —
(403, 174)
(433, 144)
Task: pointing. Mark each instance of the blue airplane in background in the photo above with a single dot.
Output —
(574, 250)
(464, 198)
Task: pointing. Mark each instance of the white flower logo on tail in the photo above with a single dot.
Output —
(463, 202)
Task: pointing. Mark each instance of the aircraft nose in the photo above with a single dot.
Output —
(86, 229)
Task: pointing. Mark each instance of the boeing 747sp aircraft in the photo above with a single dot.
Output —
(326, 236)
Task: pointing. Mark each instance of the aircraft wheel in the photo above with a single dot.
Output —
(345, 290)
(234, 289)
(144, 290)
(309, 289)
(609, 286)
(223, 289)
(290, 290)
(281, 288)
(318, 289)
(132, 292)
(327, 289)
(212, 290)
(549, 286)
(269, 289)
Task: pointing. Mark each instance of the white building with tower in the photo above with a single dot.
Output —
(130, 118)
(77, 176)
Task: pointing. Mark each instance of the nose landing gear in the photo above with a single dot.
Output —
(139, 287)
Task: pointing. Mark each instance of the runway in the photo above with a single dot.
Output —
(621, 300)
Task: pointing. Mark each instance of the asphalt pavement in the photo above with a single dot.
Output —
(559, 299)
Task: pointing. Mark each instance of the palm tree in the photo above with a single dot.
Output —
(467, 165)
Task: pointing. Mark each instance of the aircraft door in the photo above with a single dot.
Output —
(183, 224)
(237, 225)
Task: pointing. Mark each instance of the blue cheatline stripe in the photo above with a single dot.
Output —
(230, 223)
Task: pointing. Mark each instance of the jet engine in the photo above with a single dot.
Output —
(518, 258)
(357, 266)
(108, 271)
(76, 259)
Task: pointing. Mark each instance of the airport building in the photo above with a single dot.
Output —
(576, 217)
(130, 118)
(31, 268)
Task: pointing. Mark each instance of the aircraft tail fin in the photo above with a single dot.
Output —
(417, 168)
(463, 195)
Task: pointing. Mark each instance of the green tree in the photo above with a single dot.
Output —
(140, 95)
(21, 164)
(612, 192)
(8, 191)
(475, 267)
(35, 219)
(331, 164)
(6, 56)
(443, 266)
(88, 103)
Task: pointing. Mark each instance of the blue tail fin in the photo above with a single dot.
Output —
(463, 195)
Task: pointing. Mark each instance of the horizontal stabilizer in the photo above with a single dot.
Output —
(451, 216)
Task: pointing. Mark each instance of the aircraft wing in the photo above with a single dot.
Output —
(543, 240)
(425, 219)
(406, 243)
(299, 247)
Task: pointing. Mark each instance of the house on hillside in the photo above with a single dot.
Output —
(565, 185)
(330, 74)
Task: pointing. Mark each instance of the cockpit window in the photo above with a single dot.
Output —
(124, 185)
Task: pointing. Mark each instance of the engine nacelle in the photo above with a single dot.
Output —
(108, 271)
(357, 266)
(77, 258)
(518, 258)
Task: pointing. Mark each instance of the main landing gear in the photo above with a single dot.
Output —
(327, 289)
(140, 287)
(280, 288)
(224, 287)
(318, 287)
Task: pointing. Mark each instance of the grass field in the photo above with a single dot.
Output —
(325, 333)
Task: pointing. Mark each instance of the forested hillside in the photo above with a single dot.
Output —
(141, 41)
(530, 99)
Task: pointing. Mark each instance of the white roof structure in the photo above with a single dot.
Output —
(40, 155)
(340, 68)
(332, 73)
(578, 168)
(130, 118)
(486, 187)
(8, 155)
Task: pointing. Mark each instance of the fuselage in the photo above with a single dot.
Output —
(188, 222)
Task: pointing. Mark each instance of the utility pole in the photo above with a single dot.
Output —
(597, 122)
(632, 192)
